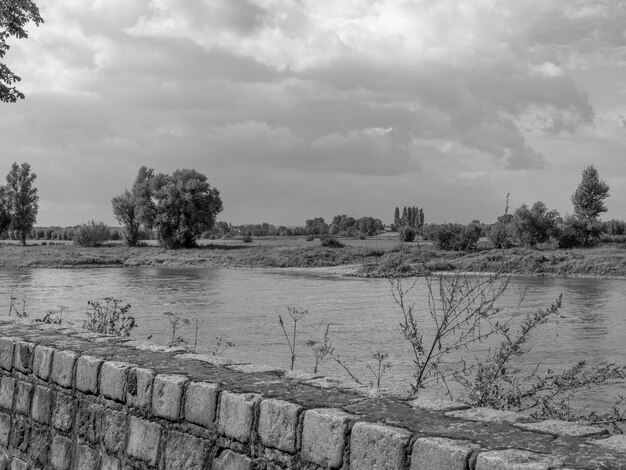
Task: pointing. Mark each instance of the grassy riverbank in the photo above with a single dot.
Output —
(377, 257)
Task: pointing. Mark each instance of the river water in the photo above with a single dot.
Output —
(242, 306)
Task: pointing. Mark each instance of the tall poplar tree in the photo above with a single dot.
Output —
(22, 199)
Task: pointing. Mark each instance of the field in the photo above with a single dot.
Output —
(374, 257)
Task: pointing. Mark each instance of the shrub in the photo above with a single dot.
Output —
(247, 239)
(109, 317)
(331, 242)
(92, 234)
(457, 237)
(310, 238)
(407, 234)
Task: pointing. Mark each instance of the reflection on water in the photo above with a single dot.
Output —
(243, 306)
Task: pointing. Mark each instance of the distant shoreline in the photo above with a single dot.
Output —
(359, 258)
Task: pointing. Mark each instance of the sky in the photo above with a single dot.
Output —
(296, 109)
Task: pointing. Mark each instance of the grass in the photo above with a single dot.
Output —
(377, 256)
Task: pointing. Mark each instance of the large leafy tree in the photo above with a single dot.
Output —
(127, 213)
(14, 16)
(535, 224)
(584, 227)
(185, 206)
(22, 199)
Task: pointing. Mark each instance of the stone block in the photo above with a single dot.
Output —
(4, 460)
(7, 345)
(41, 410)
(18, 464)
(24, 391)
(113, 430)
(615, 442)
(89, 421)
(87, 369)
(374, 445)
(278, 424)
(113, 380)
(86, 458)
(7, 392)
(515, 459)
(39, 446)
(185, 451)
(139, 387)
(110, 463)
(437, 404)
(201, 403)
(439, 453)
(63, 368)
(63, 413)
(562, 428)
(23, 356)
(236, 415)
(229, 460)
(42, 363)
(18, 438)
(324, 433)
(487, 415)
(167, 395)
(144, 440)
(61, 453)
(5, 429)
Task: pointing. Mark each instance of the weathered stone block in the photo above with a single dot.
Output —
(144, 440)
(114, 430)
(4, 460)
(514, 459)
(42, 363)
(229, 460)
(61, 453)
(110, 463)
(7, 392)
(7, 345)
(562, 428)
(89, 421)
(236, 415)
(185, 451)
(23, 356)
(374, 445)
(87, 369)
(19, 434)
(439, 453)
(139, 387)
(113, 380)
(42, 405)
(86, 458)
(323, 436)
(167, 395)
(278, 424)
(18, 464)
(22, 397)
(5, 429)
(39, 446)
(201, 403)
(63, 414)
(487, 415)
(63, 368)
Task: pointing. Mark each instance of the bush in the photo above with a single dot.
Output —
(331, 242)
(310, 238)
(457, 237)
(407, 234)
(92, 234)
(247, 239)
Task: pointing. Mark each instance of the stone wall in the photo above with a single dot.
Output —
(76, 400)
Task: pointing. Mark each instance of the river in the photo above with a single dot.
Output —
(242, 306)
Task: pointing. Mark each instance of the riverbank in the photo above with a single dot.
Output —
(370, 259)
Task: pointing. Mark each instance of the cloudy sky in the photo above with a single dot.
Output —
(303, 108)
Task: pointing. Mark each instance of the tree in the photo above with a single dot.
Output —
(142, 192)
(536, 224)
(22, 199)
(5, 210)
(126, 212)
(588, 201)
(185, 205)
(14, 15)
